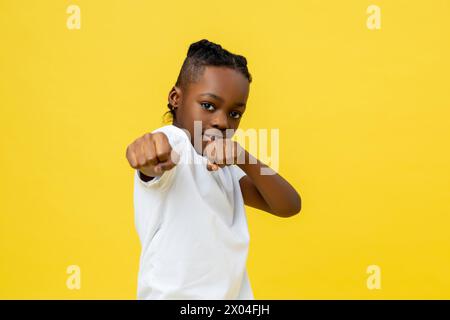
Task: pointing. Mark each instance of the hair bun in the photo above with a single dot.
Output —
(202, 46)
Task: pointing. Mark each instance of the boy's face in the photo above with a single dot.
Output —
(218, 99)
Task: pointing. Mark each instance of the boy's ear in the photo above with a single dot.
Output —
(175, 96)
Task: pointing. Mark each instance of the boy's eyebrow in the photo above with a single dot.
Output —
(212, 95)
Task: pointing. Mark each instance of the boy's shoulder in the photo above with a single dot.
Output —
(173, 133)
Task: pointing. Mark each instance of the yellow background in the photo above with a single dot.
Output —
(364, 126)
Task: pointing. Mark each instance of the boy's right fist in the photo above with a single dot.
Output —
(152, 154)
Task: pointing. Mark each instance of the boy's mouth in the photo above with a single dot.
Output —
(211, 137)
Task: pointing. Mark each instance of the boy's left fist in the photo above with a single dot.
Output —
(223, 152)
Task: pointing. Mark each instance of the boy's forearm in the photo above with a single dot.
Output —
(279, 195)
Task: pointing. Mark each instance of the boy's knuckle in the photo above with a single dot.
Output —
(147, 136)
(162, 153)
(142, 160)
(152, 159)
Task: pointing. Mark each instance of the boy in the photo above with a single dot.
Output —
(189, 208)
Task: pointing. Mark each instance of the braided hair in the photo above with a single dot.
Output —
(206, 53)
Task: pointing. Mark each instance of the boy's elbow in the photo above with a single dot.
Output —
(292, 210)
(298, 206)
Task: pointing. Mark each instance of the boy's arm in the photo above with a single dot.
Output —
(270, 193)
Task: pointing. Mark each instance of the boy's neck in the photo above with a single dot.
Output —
(174, 123)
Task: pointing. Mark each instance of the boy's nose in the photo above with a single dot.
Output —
(219, 121)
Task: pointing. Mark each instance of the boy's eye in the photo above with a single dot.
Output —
(235, 115)
(207, 106)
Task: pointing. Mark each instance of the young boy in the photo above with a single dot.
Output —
(189, 208)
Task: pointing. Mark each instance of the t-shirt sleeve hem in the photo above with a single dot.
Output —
(238, 172)
(155, 181)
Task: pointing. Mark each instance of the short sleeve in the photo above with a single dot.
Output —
(237, 172)
(150, 183)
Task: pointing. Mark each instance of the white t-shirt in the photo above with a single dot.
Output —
(193, 229)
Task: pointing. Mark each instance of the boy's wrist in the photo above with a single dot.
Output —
(144, 177)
